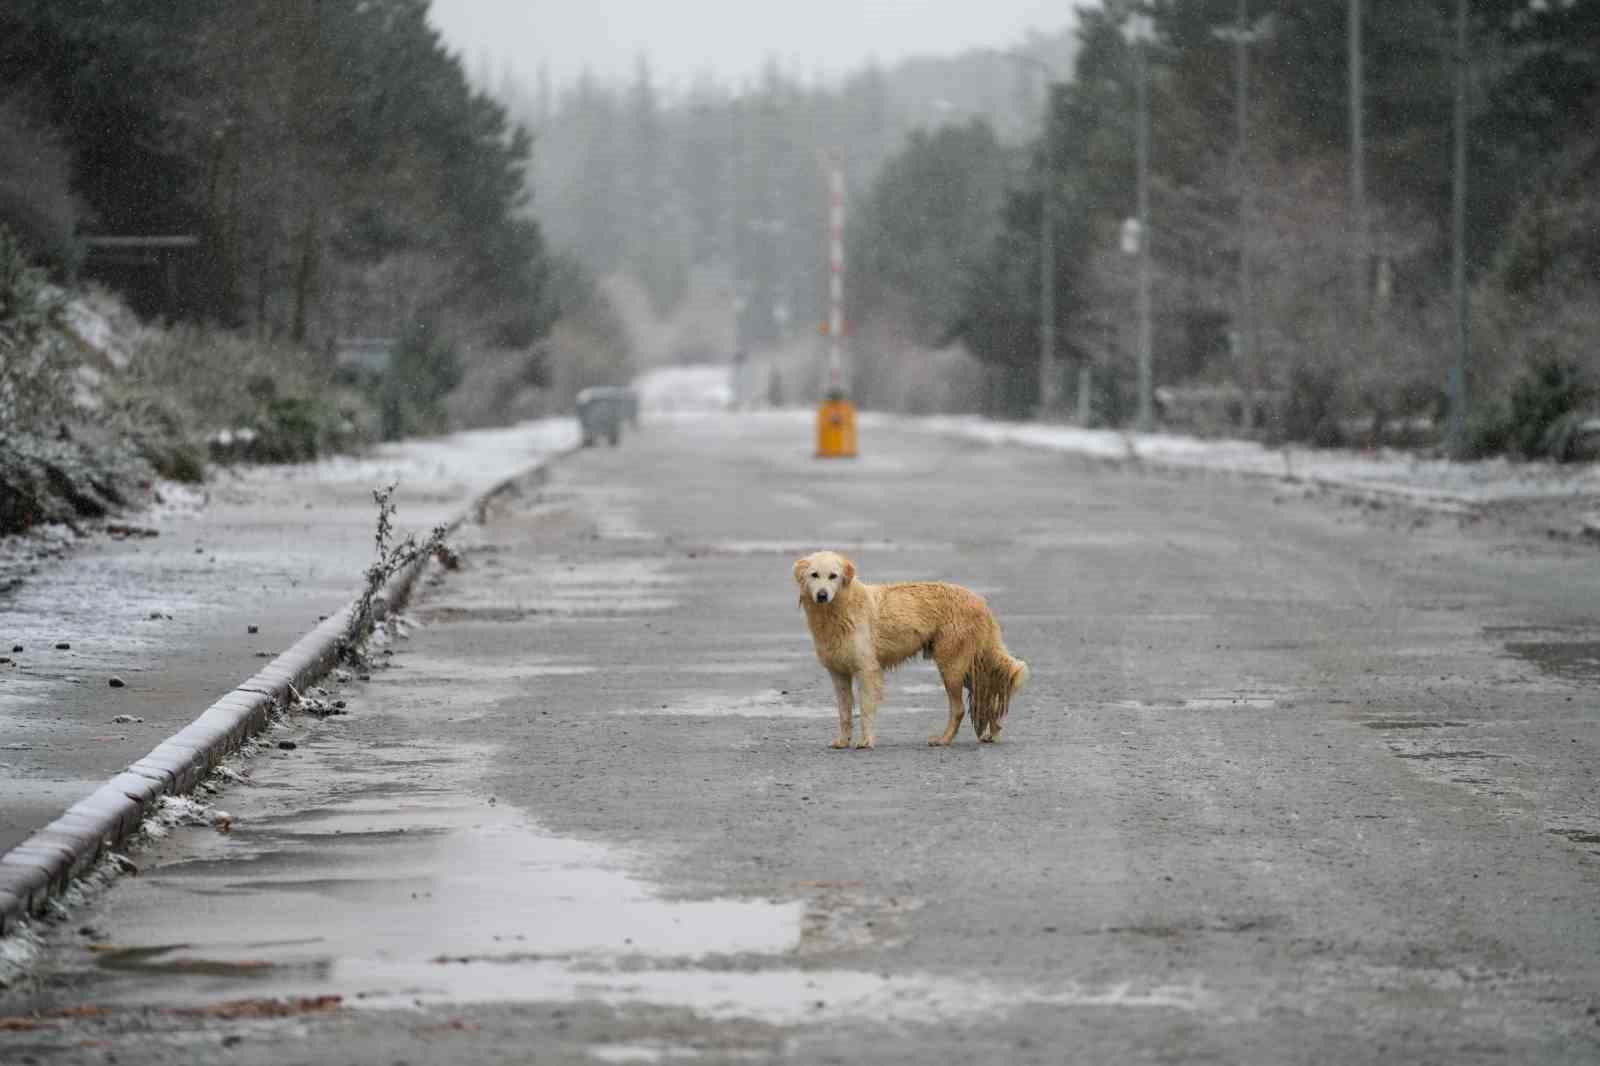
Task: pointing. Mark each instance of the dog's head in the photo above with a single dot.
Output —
(822, 576)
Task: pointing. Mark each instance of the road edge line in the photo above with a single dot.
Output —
(45, 863)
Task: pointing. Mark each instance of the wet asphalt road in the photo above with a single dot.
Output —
(1291, 783)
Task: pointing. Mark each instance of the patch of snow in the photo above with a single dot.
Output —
(101, 324)
(1384, 470)
(173, 811)
(19, 950)
(174, 499)
(684, 389)
(477, 459)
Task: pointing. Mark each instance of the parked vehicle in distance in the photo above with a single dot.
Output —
(602, 409)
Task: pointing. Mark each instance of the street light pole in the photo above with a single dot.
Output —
(1358, 180)
(1049, 377)
(1142, 87)
(1246, 318)
(1458, 372)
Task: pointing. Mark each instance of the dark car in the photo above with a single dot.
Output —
(601, 411)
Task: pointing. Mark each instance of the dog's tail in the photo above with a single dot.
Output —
(996, 679)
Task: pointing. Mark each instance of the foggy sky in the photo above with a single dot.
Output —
(729, 39)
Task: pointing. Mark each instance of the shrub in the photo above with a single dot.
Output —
(422, 371)
(57, 479)
(35, 364)
(190, 383)
(1550, 390)
(1310, 411)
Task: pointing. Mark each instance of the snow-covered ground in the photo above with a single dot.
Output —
(1387, 471)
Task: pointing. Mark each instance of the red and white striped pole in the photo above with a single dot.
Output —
(836, 200)
(836, 418)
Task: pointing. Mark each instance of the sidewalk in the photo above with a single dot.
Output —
(181, 617)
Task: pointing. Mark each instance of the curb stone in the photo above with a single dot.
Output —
(45, 863)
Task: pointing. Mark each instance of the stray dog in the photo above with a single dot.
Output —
(860, 630)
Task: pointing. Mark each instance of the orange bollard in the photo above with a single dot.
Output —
(836, 429)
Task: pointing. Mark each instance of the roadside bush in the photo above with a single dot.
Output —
(1544, 418)
(158, 429)
(1543, 402)
(35, 364)
(1311, 408)
(59, 479)
(423, 370)
(257, 401)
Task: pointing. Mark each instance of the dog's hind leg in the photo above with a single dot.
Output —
(953, 692)
(847, 703)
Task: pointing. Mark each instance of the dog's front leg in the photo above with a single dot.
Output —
(953, 692)
(871, 696)
(847, 703)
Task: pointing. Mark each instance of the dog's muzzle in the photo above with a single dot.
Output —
(822, 596)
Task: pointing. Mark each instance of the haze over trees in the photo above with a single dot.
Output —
(343, 176)
(1351, 331)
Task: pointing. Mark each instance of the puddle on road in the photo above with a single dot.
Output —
(391, 893)
(1569, 660)
(343, 878)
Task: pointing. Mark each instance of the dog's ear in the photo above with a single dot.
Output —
(849, 571)
(800, 567)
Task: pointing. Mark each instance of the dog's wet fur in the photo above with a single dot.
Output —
(860, 630)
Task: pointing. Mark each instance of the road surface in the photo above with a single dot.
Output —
(1292, 782)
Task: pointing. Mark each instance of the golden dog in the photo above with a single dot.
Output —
(860, 630)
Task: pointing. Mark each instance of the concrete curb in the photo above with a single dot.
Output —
(43, 865)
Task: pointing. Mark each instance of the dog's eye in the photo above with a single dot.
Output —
(813, 573)
(832, 576)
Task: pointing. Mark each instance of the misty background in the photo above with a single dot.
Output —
(462, 213)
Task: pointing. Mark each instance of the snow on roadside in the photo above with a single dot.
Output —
(1387, 470)
(475, 459)
(684, 389)
(19, 951)
(699, 390)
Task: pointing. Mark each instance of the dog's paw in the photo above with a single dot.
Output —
(867, 742)
(840, 742)
(938, 741)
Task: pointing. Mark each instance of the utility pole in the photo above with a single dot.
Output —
(1049, 376)
(1245, 320)
(1142, 87)
(836, 417)
(1458, 372)
(1358, 177)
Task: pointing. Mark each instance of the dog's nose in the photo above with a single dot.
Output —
(822, 596)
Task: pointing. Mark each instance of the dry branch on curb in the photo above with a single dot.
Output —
(372, 606)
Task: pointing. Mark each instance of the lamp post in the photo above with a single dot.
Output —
(1459, 398)
(1139, 35)
(1243, 34)
(1049, 375)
